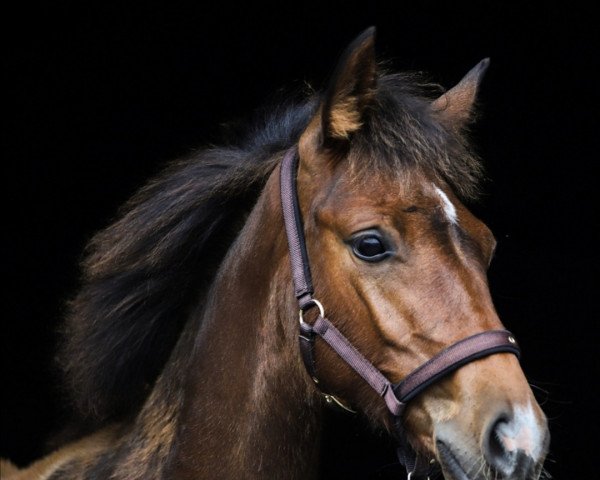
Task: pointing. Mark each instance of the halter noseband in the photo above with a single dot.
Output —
(395, 395)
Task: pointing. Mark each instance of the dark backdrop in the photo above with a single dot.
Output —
(104, 96)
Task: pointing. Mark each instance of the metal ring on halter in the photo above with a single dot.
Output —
(319, 306)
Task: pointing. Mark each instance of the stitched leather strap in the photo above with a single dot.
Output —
(303, 287)
(452, 358)
(342, 346)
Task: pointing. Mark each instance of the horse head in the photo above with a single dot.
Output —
(399, 264)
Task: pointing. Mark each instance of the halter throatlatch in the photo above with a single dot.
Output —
(396, 395)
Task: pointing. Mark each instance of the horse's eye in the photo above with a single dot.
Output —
(370, 247)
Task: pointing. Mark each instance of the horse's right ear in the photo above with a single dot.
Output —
(350, 90)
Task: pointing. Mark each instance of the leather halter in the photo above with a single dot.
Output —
(395, 395)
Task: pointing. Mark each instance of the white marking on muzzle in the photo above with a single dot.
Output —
(522, 433)
(449, 208)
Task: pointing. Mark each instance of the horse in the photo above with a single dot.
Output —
(324, 257)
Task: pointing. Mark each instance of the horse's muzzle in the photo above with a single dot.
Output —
(510, 448)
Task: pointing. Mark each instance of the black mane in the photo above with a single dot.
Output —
(144, 273)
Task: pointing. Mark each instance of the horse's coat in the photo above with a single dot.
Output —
(181, 346)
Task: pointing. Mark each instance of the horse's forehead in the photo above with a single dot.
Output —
(385, 192)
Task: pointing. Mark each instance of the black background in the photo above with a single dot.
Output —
(104, 96)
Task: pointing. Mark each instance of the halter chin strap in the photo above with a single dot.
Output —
(396, 395)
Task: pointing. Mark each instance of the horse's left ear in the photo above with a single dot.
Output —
(350, 90)
(457, 105)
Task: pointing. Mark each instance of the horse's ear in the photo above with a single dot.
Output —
(350, 89)
(457, 105)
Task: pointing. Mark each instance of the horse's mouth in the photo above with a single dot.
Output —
(522, 467)
(450, 464)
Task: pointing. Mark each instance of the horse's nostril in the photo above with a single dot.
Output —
(505, 448)
(498, 454)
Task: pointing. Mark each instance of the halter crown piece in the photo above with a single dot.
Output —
(396, 395)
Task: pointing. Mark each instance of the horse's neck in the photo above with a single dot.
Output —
(249, 408)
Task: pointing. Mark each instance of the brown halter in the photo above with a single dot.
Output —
(395, 395)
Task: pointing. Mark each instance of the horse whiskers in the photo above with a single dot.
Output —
(544, 474)
(487, 471)
(539, 389)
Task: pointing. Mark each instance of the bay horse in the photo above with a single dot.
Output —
(181, 350)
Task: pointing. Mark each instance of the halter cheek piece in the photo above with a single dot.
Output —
(396, 395)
